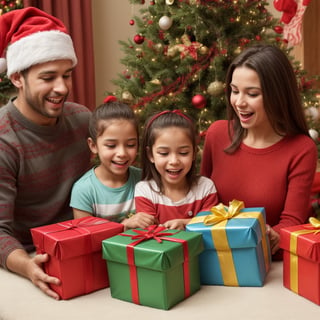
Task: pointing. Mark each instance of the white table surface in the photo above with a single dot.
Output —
(19, 299)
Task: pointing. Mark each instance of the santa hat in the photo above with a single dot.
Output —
(30, 36)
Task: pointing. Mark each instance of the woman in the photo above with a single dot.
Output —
(263, 154)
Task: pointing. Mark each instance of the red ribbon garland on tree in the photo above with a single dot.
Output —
(180, 81)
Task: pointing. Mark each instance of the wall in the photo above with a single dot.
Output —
(111, 24)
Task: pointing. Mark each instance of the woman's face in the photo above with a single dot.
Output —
(247, 100)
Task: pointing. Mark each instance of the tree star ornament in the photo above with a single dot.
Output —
(165, 23)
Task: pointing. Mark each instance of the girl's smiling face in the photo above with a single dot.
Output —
(247, 100)
(172, 154)
(117, 148)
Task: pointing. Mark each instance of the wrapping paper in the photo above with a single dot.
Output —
(153, 267)
(75, 250)
(301, 259)
(237, 251)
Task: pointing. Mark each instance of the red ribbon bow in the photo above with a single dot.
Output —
(154, 232)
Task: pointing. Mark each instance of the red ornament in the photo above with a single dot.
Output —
(199, 101)
(131, 22)
(278, 29)
(138, 39)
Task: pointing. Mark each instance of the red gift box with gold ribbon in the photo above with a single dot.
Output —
(75, 250)
(301, 259)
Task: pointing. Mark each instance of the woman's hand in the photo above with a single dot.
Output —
(274, 239)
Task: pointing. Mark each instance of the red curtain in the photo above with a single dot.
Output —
(76, 15)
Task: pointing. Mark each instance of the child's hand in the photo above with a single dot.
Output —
(179, 224)
(139, 220)
(274, 239)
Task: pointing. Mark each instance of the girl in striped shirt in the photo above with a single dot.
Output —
(171, 191)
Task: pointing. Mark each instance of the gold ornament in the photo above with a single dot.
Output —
(169, 2)
(237, 51)
(172, 51)
(204, 50)
(185, 40)
(216, 88)
(156, 81)
(127, 97)
(158, 47)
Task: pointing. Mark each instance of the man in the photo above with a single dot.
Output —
(43, 148)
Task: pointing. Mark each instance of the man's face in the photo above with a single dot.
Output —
(43, 90)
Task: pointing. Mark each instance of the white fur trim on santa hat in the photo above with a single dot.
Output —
(39, 47)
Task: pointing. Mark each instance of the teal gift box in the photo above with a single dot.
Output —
(236, 247)
(153, 267)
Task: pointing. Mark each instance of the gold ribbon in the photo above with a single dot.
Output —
(294, 267)
(220, 214)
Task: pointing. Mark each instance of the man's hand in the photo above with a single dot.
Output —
(21, 263)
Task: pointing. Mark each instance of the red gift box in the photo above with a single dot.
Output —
(301, 260)
(75, 250)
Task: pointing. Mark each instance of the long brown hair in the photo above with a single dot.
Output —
(281, 97)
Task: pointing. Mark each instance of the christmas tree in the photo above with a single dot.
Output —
(181, 51)
(6, 87)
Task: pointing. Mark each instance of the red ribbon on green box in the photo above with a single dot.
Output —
(154, 232)
(315, 228)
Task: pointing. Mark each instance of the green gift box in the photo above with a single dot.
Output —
(154, 267)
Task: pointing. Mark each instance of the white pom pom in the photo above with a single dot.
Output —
(3, 65)
(314, 134)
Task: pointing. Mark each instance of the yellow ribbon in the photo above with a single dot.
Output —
(315, 223)
(220, 214)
